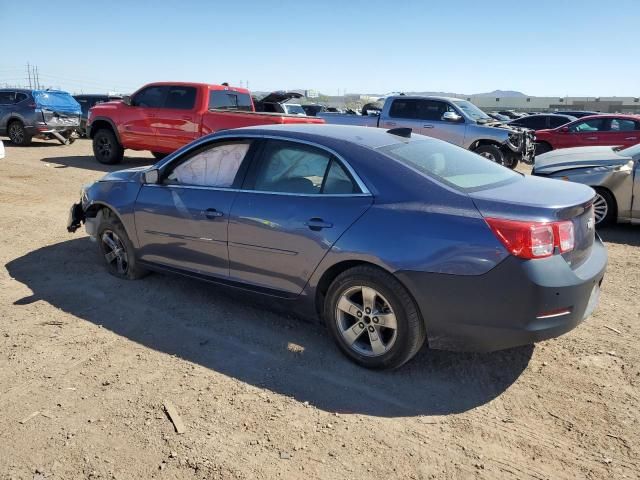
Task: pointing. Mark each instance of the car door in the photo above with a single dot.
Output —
(176, 123)
(430, 114)
(182, 220)
(622, 132)
(297, 201)
(583, 133)
(138, 129)
(6, 107)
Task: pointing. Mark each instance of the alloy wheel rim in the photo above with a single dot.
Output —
(15, 133)
(114, 252)
(366, 321)
(600, 208)
(104, 147)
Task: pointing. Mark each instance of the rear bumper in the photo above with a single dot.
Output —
(34, 131)
(508, 306)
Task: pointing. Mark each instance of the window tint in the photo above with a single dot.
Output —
(181, 98)
(338, 180)
(622, 125)
(230, 100)
(457, 167)
(404, 108)
(6, 98)
(291, 168)
(151, 97)
(431, 110)
(555, 122)
(21, 97)
(593, 125)
(535, 122)
(216, 166)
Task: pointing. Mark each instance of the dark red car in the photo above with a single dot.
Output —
(608, 130)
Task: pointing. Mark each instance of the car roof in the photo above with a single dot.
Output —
(365, 136)
(210, 86)
(612, 115)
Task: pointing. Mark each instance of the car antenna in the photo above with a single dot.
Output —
(401, 132)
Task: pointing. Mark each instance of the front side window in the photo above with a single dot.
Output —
(589, 126)
(452, 165)
(151, 97)
(431, 110)
(181, 98)
(216, 166)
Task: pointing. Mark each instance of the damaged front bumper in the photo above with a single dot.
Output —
(522, 141)
(76, 217)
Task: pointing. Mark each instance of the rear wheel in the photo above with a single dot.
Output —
(604, 207)
(18, 134)
(116, 248)
(373, 319)
(493, 153)
(106, 147)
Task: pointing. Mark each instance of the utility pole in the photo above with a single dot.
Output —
(29, 73)
(37, 78)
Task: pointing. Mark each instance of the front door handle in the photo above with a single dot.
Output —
(316, 224)
(212, 213)
(592, 138)
(427, 126)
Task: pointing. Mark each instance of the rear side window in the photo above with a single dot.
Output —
(454, 166)
(593, 125)
(21, 97)
(181, 98)
(7, 98)
(230, 100)
(403, 108)
(338, 180)
(623, 125)
(151, 97)
(536, 123)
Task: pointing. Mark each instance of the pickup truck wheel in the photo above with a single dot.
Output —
(159, 155)
(106, 147)
(18, 134)
(493, 153)
(116, 248)
(373, 319)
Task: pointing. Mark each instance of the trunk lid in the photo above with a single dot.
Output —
(280, 96)
(544, 200)
(578, 157)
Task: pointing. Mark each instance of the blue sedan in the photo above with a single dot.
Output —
(392, 238)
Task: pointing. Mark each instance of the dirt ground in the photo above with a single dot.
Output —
(87, 362)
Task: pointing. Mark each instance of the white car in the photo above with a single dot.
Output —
(1, 149)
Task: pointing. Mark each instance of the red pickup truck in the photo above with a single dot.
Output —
(162, 117)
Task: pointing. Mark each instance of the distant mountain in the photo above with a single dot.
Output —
(501, 93)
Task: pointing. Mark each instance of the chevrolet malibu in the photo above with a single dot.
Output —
(392, 238)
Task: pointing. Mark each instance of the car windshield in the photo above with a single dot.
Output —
(632, 151)
(452, 165)
(294, 109)
(471, 110)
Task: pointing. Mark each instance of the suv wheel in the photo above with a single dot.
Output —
(106, 147)
(18, 134)
(373, 319)
(493, 153)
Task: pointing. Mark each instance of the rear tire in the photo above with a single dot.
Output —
(106, 147)
(605, 207)
(116, 248)
(18, 134)
(493, 153)
(373, 319)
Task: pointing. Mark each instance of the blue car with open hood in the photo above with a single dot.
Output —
(393, 239)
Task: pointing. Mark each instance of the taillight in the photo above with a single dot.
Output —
(533, 239)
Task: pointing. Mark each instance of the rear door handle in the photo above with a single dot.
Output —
(316, 224)
(631, 138)
(212, 213)
(427, 126)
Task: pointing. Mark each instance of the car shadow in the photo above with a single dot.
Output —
(220, 330)
(88, 162)
(622, 233)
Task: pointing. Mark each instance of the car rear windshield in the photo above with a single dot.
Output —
(59, 101)
(230, 100)
(451, 165)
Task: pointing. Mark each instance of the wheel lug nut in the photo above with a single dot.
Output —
(371, 328)
(375, 319)
(367, 310)
(359, 314)
(361, 325)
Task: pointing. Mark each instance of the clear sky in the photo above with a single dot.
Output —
(541, 47)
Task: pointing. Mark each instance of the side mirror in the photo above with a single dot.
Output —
(451, 117)
(151, 176)
(564, 129)
(127, 100)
